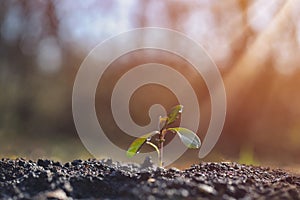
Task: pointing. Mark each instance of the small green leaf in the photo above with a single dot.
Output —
(173, 115)
(137, 144)
(162, 122)
(188, 137)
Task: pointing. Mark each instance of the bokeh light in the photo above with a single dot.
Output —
(255, 44)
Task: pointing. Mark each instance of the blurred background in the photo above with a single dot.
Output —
(255, 44)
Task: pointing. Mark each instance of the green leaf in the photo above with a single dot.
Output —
(174, 114)
(188, 137)
(162, 122)
(137, 144)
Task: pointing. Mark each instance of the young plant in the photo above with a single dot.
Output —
(188, 137)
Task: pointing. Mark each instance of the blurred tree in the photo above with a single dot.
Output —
(254, 43)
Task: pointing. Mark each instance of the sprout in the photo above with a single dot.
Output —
(188, 137)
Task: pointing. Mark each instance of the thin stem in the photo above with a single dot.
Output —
(161, 146)
(155, 147)
(161, 141)
(160, 158)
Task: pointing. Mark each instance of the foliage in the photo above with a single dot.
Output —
(188, 137)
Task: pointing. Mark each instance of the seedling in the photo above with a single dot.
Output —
(188, 137)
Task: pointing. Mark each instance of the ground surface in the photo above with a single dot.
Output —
(92, 179)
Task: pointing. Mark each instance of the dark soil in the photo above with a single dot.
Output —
(92, 179)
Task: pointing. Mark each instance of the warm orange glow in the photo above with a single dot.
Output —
(255, 44)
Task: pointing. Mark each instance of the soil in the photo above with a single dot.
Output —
(105, 179)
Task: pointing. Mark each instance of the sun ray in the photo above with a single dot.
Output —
(252, 61)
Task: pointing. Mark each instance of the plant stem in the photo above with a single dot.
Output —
(155, 147)
(161, 146)
(160, 158)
